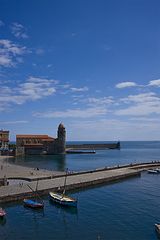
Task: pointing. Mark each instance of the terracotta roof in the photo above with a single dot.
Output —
(35, 136)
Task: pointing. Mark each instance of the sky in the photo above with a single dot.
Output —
(93, 65)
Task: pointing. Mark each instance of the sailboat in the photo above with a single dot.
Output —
(35, 204)
(61, 198)
(2, 213)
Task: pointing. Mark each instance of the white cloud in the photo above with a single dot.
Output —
(154, 83)
(10, 52)
(126, 84)
(82, 89)
(18, 30)
(74, 113)
(141, 98)
(32, 89)
(141, 105)
(101, 101)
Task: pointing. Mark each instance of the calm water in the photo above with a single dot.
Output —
(122, 211)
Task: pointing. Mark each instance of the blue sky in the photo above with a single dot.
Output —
(93, 65)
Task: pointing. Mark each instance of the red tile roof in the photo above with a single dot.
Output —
(42, 137)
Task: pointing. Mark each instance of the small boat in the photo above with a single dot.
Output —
(157, 227)
(32, 203)
(61, 198)
(2, 213)
(153, 171)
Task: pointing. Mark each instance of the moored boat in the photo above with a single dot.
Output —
(32, 203)
(63, 199)
(2, 213)
(157, 227)
(153, 171)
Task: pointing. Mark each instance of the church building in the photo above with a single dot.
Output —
(41, 144)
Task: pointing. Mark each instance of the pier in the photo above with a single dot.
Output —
(52, 180)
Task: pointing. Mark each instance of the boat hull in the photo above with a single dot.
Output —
(2, 213)
(32, 204)
(63, 200)
(153, 171)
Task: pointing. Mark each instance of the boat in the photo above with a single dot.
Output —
(157, 227)
(2, 213)
(153, 171)
(34, 203)
(61, 198)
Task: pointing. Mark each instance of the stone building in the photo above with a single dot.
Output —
(4, 139)
(41, 144)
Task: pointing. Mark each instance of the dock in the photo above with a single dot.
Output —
(53, 181)
(74, 181)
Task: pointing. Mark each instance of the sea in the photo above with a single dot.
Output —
(125, 210)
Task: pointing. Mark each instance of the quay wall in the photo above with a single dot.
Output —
(93, 146)
(15, 193)
(75, 180)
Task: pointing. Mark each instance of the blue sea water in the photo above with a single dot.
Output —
(125, 210)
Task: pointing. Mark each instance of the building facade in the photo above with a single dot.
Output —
(4, 139)
(41, 144)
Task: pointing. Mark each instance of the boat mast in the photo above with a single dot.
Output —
(64, 189)
(36, 192)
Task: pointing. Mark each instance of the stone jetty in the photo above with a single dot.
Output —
(52, 180)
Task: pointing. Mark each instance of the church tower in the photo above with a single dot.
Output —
(61, 137)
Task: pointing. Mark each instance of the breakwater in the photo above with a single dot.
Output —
(95, 146)
(75, 180)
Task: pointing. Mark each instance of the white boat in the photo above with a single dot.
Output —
(61, 198)
(153, 171)
(157, 227)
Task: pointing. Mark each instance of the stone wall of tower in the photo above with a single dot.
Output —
(61, 139)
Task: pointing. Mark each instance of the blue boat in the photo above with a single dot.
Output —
(35, 204)
(32, 203)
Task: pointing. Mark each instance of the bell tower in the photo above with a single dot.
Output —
(61, 134)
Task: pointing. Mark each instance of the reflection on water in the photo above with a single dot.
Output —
(131, 152)
(2, 221)
(52, 162)
(63, 209)
(35, 210)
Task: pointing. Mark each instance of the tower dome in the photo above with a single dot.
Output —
(61, 125)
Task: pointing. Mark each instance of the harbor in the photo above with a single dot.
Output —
(110, 205)
(19, 177)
